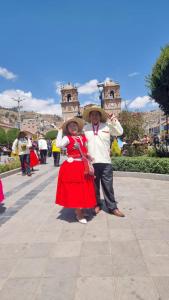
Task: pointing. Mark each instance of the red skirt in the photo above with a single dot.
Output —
(1, 192)
(34, 161)
(74, 189)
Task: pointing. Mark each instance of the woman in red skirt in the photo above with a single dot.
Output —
(74, 189)
(1, 192)
(34, 160)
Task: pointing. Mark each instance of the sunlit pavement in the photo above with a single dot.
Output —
(46, 255)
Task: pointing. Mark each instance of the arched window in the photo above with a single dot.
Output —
(112, 94)
(68, 97)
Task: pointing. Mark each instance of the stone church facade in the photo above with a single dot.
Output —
(71, 106)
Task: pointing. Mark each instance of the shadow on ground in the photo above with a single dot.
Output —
(2, 208)
(68, 215)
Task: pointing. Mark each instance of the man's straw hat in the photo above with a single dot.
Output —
(87, 111)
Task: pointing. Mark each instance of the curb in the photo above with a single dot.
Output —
(11, 172)
(152, 176)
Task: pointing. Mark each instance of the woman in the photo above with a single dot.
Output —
(34, 160)
(21, 146)
(1, 192)
(74, 189)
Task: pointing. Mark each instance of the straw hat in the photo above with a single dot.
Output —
(79, 122)
(87, 111)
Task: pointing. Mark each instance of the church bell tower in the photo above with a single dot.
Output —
(111, 96)
(69, 102)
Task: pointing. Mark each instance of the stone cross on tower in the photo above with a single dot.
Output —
(69, 103)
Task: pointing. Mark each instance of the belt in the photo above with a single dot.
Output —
(71, 159)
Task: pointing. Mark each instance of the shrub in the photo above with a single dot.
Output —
(141, 164)
(11, 165)
(136, 149)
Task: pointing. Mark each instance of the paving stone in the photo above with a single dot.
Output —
(38, 250)
(66, 249)
(72, 234)
(135, 288)
(154, 247)
(162, 285)
(62, 268)
(29, 268)
(122, 235)
(89, 288)
(99, 266)
(6, 266)
(148, 234)
(157, 265)
(12, 250)
(53, 289)
(19, 289)
(95, 248)
(96, 234)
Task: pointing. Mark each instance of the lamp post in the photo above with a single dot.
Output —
(19, 100)
(100, 86)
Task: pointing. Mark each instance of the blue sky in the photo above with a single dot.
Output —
(44, 43)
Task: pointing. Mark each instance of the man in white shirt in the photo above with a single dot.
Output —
(43, 148)
(97, 132)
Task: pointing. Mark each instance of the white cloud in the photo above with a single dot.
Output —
(7, 74)
(141, 102)
(30, 103)
(88, 87)
(133, 74)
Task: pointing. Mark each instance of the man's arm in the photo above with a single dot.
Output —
(115, 126)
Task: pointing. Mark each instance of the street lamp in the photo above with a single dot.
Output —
(100, 86)
(19, 100)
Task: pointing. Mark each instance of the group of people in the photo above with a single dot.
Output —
(88, 163)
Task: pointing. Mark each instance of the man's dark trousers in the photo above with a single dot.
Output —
(104, 174)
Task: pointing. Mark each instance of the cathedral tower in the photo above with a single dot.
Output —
(70, 103)
(111, 96)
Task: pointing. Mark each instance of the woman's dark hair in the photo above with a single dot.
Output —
(21, 134)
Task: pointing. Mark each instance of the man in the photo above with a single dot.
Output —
(56, 153)
(43, 148)
(98, 133)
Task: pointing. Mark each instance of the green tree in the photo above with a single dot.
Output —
(51, 134)
(132, 123)
(3, 137)
(158, 82)
(12, 135)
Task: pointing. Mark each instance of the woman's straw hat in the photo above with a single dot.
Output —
(88, 110)
(79, 122)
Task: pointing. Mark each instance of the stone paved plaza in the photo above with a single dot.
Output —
(46, 255)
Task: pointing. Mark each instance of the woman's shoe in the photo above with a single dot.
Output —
(80, 216)
(82, 221)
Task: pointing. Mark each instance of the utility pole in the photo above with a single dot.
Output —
(19, 100)
(100, 86)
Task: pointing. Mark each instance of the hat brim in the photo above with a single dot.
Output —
(87, 111)
(79, 122)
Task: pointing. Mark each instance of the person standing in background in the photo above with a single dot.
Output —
(43, 149)
(56, 153)
(21, 146)
(1, 192)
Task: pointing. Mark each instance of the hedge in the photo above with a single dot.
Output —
(141, 164)
(10, 166)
